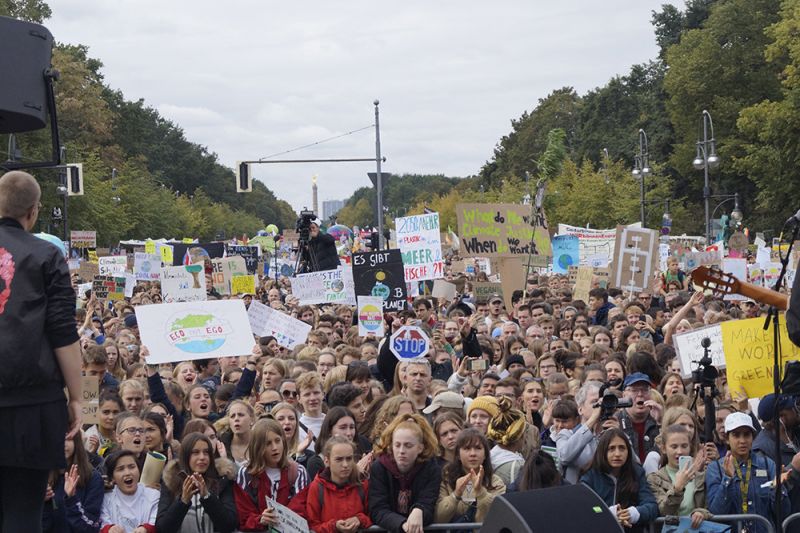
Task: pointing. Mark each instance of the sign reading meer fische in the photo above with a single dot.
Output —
(420, 243)
(502, 230)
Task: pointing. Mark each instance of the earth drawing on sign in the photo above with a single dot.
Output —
(197, 332)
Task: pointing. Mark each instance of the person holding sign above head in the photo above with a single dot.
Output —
(39, 355)
(740, 481)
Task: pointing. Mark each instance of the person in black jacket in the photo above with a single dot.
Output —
(320, 252)
(197, 491)
(39, 354)
(405, 477)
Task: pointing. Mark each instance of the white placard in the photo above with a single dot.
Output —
(592, 243)
(113, 265)
(288, 520)
(147, 267)
(420, 242)
(194, 330)
(183, 283)
(444, 289)
(130, 283)
(326, 286)
(738, 268)
(370, 316)
(689, 348)
(266, 321)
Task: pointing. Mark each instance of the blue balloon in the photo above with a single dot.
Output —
(52, 239)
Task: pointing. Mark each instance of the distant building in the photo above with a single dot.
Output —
(331, 207)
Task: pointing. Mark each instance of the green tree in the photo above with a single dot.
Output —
(30, 10)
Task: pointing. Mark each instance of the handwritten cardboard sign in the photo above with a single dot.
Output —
(109, 287)
(183, 283)
(113, 265)
(224, 269)
(147, 267)
(266, 321)
(243, 285)
(380, 273)
(326, 286)
(503, 230)
(420, 243)
(566, 252)
(90, 402)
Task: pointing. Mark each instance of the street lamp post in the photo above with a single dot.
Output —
(641, 168)
(705, 158)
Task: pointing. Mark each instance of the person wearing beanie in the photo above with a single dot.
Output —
(481, 411)
(507, 431)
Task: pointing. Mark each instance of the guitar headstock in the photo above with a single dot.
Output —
(715, 280)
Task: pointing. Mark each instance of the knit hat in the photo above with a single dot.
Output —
(484, 403)
(508, 425)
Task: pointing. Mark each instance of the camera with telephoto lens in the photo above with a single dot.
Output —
(706, 373)
(609, 402)
(303, 226)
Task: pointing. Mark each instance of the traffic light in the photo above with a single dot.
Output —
(75, 179)
(243, 183)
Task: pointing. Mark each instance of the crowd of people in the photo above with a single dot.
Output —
(341, 432)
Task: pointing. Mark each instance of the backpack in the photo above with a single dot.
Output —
(321, 495)
(252, 488)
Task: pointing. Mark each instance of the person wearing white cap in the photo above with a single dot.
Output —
(739, 483)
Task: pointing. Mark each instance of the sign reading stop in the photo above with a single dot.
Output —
(409, 342)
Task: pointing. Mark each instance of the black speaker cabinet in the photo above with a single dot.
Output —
(565, 509)
(25, 53)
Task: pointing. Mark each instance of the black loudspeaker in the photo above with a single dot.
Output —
(25, 53)
(565, 509)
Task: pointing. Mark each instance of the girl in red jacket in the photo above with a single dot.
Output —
(269, 475)
(337, 500)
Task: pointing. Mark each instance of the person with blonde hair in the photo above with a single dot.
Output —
(405, 477)
(393, 406)
(507, 431)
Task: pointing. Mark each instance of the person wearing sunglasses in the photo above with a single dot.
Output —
(288, 390)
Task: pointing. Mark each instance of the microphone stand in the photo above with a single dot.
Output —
(773, 315)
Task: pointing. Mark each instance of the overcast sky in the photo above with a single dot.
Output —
(251, 78)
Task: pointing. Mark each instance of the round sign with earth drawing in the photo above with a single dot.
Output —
(197, 332)
(409, 342)
(371, 317)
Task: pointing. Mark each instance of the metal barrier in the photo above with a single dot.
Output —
(736, 519)
(441, 527)
(789, 519)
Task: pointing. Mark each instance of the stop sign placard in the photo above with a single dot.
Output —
(409, 342)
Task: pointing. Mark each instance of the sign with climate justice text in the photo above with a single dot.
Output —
(503, 230)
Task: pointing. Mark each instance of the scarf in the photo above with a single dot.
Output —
(405, 481)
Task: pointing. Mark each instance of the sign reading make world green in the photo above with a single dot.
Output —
(194, 330)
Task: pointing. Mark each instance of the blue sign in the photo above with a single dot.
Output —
(409, 342)
(565, 253)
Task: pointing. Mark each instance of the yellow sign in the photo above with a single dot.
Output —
(749, 354)
(166, 253)
(93, 256)
(243, 285)
(187, 240)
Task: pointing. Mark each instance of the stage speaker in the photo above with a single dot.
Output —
(565, 509)
(25, 53)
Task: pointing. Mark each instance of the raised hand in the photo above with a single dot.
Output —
(71, 479)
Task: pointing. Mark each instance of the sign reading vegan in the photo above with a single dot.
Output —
(502, 230)
(194, 330)
(326, 286)
(381, 274)
(420, 243)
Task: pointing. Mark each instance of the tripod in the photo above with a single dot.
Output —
(306, 258)
(705, 377)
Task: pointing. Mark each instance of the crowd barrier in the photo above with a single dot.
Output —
(790, 519)
(440, 527)
(734, 519)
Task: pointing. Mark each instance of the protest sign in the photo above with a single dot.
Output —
(689, 348)
(167, 253)
(248, 253)
(90, 385)
(380, 274)
(370, 316)
(635, 258)
(150, 247)
(147, 267)
(109, 287)
(266, 321)
(420, 244)
(696, 259)
(243, 285)
(595, 243)
(326, 286)
(583, 283)
(565, 253)
(288, 520)
(738, 268)
(444, 289)
(190, 254)
(749, 354)
(194, 330)
(93, 256)
(113, 265)
(87, 270)
(224, 269)
(130, 284)
(502, 230)
(512, 277)
(83, 239)
(83, 287)
(183, 283)
(483, 290)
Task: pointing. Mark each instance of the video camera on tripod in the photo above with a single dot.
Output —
(303, 225)
(609, 402)
(704, 377)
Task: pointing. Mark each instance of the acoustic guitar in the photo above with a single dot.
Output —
(721, 283)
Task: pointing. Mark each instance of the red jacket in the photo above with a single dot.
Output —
(338, 503)
(251, 493)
